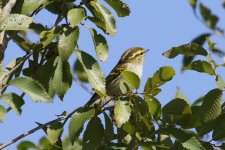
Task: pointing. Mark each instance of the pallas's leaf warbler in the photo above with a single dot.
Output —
(132, 60)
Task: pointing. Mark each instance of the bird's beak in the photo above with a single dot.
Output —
(146, 50)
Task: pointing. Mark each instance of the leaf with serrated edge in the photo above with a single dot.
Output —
(95, 75)
(109, 133)
(46, 37)
(190, 49)
(103, 17)
(100, 43)
(32, 88)
(78, 121)
(160, 77)
(211, 105)
(122, 112)
(14, 101)
(68, 42)
(121, 8)
(76, 16)
(62, 79)
(200, 66)
(16, 22)
(54, 132)
(94, 134)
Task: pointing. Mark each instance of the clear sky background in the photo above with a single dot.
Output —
(157, 25)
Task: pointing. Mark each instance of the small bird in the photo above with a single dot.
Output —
(132, 60)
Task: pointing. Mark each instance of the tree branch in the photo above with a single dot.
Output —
(29, 132)
(3, 40)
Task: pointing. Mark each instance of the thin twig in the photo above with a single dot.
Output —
(29, 132)
(83, 86)
(17, 66)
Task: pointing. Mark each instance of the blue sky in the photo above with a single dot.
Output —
(157, 25)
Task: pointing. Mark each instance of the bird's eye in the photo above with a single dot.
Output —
(142, 53)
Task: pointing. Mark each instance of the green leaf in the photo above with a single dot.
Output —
(28, 6)
(179, 109)
(76, 16)
(3, 112)
(77, 123)
(194, 120)
(14, 101)
(46, 37)
(103, 17)
(190, 49)
(15, 22)
(54, 132)
(210, 19)
(160, 77)
(25, 145)
(122, 112)
(177, 106)
(100, 43)
(154, 107)
(210, 43)
(219, 129)
(187, 140)
(32, 88)
(68, 42)
(200, 66)
(77, 145)
(94, 134)
(79, 71)
(132, 79)
(211, 106)
(220, 82)
(121, 8)
(63, 78)
(193, 3)
(95, 76)
(109, 133)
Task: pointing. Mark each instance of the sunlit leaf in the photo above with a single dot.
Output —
(220, 82)
(15, 22)
(14, 101)
(193, 3)
(210, 43)
(211, 106)
(76, 16)
(54, 132)
(28, 6)
(132, 79)
(200, 66)
(77, 123)
(62, 79)
(121, 8)
(46, 37)
(122, 112)
(190, 49)
(103, 17)
(94, 134)
(160, 77)
(32, 88)
(95, 76)
(68, 42)
(100, 43)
